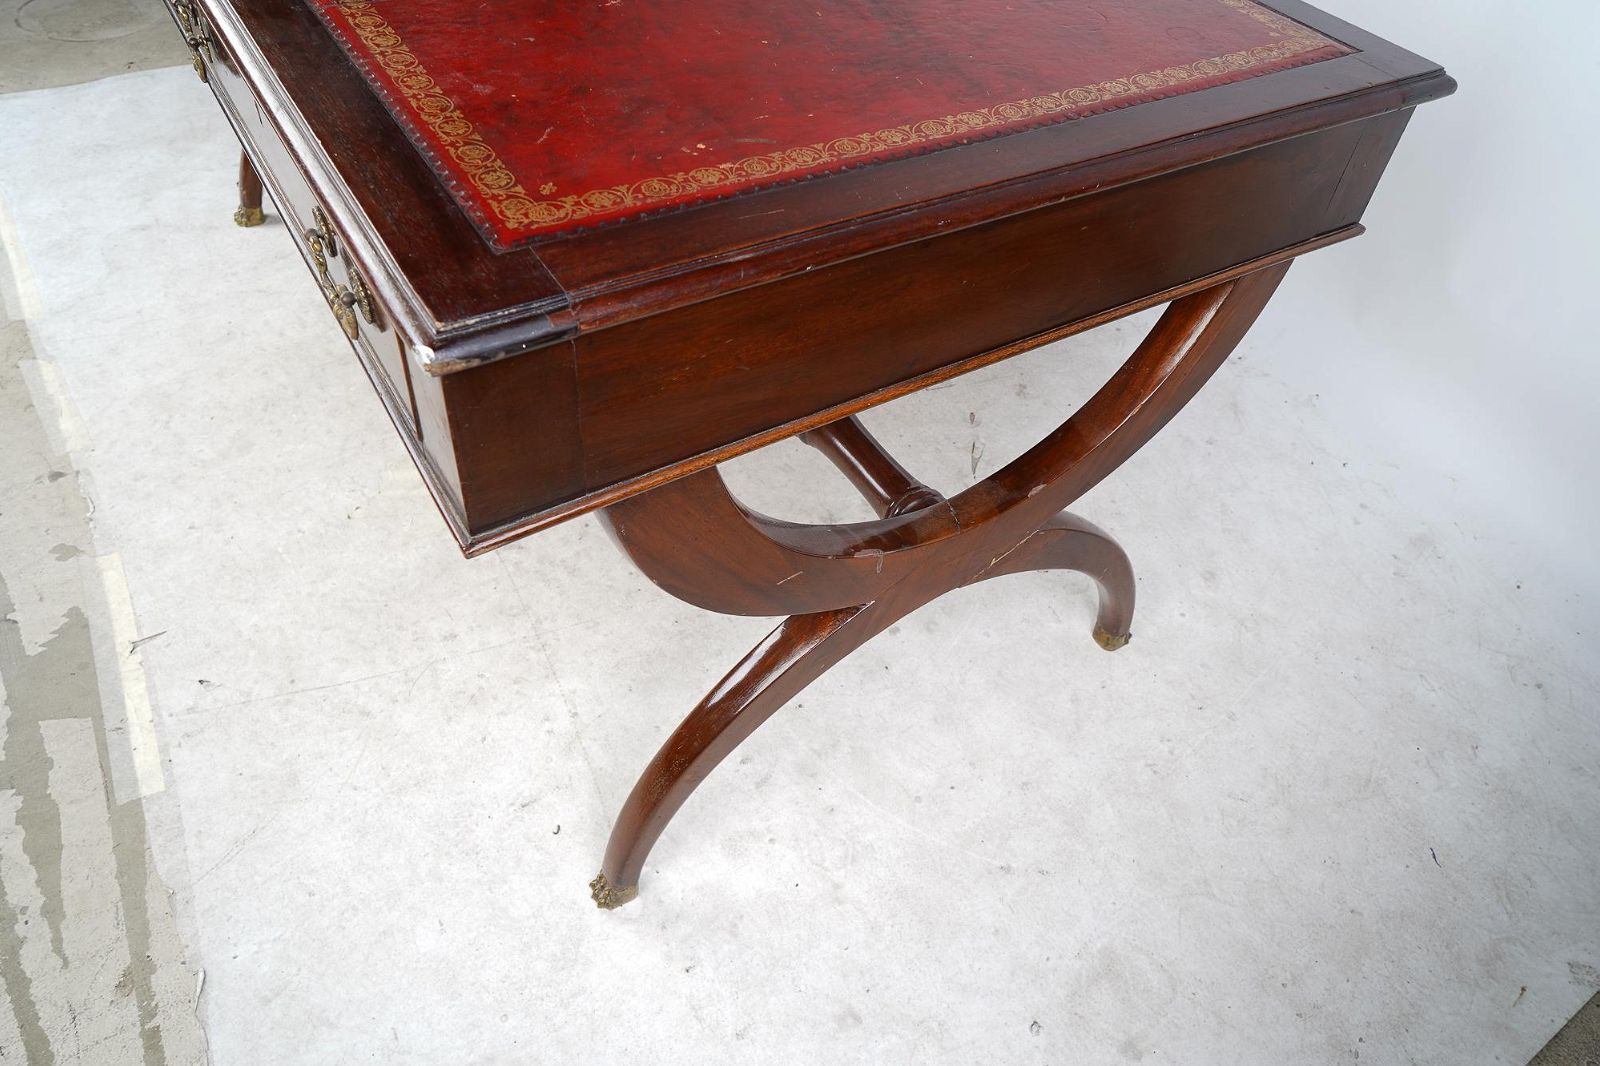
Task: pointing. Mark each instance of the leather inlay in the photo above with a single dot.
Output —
(541, 118)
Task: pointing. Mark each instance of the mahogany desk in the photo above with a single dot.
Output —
(587, 251)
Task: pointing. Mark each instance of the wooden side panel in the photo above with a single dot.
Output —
(692, 380)
(515, 428)
(1379, 139)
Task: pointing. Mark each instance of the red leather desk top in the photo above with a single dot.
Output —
(541, 118)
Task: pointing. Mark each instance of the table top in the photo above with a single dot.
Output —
(458, 300)
(545, 118)
(1021, 171)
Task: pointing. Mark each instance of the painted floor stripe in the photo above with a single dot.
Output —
(138, 712)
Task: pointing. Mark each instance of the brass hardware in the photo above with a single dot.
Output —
(330, 239)
(196, 34)
(1111, 641)
(316, 242)
(343, 300)
(364, 301)
(607, 897)
(248, 216)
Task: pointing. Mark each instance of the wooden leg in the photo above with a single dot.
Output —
(798, 652)
(1070, 543)
(249, 212)
(843, 584)
(791, 657)
(887, 486)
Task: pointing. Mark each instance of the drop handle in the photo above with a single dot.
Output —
(196, 34)
(343, 300)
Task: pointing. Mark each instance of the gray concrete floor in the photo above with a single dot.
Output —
(44, 43)
(90, 956)
(274, 760)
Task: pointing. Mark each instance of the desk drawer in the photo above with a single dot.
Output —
(355, 307)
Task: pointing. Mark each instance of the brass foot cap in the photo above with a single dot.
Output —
(248, 216)
(608, 898)
(1111, 641)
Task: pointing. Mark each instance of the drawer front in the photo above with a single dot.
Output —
(355, 308)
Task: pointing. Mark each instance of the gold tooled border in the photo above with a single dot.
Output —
(521, 210)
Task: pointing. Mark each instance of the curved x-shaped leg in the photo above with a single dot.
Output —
(1067, 542)
(792, 656)
(843, 584)
(801, 650)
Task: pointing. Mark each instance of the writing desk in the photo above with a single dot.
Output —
(588, 251)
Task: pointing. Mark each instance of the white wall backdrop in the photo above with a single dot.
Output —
(1456, 338)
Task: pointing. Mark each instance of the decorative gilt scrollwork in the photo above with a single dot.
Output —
(343, 300)
(196, 34)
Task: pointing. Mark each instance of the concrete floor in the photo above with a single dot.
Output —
(281, 769)
(44, 43)
(91, 960)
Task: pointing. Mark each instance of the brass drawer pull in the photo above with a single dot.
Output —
(196, 34)
(343, 300)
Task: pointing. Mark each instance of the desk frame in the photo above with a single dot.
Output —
(1199, 202)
